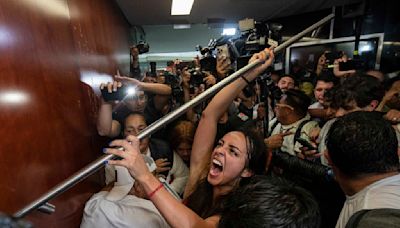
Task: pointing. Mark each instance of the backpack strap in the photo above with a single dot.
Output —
(356, 218)
(375, 218)
(298, 130)
(273, 127)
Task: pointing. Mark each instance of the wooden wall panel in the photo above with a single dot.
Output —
(53, 53)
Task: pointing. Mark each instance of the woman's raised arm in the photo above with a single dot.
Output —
(207, 128)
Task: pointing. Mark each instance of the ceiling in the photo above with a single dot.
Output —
(157, 12)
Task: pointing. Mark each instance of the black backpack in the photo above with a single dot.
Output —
(375, 218)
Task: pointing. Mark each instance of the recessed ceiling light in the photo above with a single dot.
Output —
(181, 7)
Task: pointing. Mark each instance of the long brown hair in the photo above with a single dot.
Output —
(201, 200)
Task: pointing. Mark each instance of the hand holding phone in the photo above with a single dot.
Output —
(114, 95)
(351, 64)
(306, 143)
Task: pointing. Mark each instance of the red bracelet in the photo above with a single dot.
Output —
(156, 190)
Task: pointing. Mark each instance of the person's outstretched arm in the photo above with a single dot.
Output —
(207, 128)
(155, 88)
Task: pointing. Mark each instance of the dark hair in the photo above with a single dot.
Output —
(132, 114)
(298, 100)
(362, 89)
(183, 131)
(201, 200)
(270, 202)
(295, 81)
(363, 143)
(329, 97)
(327, 76)
(256, 150)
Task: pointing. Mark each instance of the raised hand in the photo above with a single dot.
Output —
(337, 72)
(223, 66)
(267, 55)
(132, 159)
(209, 79)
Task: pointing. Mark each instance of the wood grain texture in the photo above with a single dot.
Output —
(53, 55)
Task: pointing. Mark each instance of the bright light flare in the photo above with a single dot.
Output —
(130, 91)
(13, 97)
(229, 31)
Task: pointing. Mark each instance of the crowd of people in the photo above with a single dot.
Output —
(214, 166)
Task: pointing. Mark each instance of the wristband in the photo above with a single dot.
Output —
(156, 190)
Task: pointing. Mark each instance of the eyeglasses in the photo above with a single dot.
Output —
(284, 106)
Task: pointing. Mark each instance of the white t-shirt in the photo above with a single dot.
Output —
(384, 193)
(178, 175)
(130, 211)
(316, 105)
(322, 140)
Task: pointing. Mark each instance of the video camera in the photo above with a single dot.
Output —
(175, 83)
(269, 88)
(254, 37)
(257, 35)
(143, 47)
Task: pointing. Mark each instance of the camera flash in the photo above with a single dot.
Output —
(131, 91)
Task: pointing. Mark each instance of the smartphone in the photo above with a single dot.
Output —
(306, 143)
(351, 64)
(223, 52)
(118, 95)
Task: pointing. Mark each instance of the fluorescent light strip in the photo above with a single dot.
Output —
(181, 7)
(182, 26)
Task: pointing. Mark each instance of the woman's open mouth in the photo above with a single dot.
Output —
(216, 167)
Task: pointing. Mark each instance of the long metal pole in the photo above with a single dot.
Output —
(98, 163)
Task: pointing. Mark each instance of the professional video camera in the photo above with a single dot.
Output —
(143, 47)
(254, 37)
(269, 88)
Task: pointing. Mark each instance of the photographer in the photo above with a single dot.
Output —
(134, 62)
(112, 114)
(203, 83)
